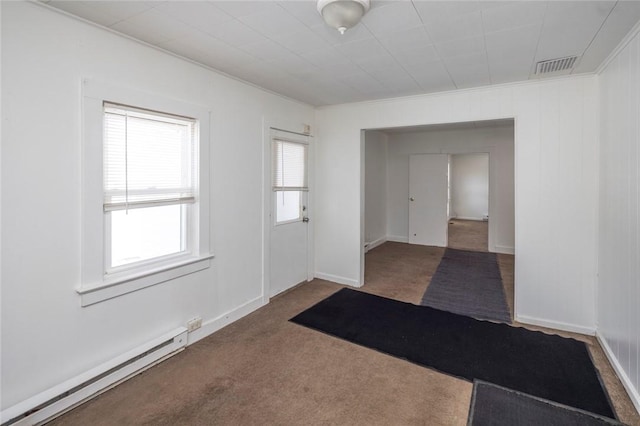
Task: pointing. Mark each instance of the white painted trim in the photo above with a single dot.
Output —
(362, 193)
(398, 238)
(211, 326)
(505, 249)
(374, 244)
(633, 393)
(516, 171)
(337, 279)
(266, 210)
(123, 285)
(311, 207)
(524, 319)
(94, 389)
(619, 48)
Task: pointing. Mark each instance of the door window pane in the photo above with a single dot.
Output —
(288, 206)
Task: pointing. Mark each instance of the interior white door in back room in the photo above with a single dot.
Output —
(428, 193)
(289, 243)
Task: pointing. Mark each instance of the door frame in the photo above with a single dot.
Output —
(283, 125)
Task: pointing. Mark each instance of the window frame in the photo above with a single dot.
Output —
(98, 284)
(186, 212)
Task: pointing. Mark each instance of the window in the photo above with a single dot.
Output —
(149, 184)
(145, 193)
(289, 171)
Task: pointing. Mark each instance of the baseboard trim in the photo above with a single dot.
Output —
(181, 337)
(374, 244)
(633, 393)
(397, 238)
(215, 324)
(505, 249)
(477, 219)
(337, 279)
(67, 395)
(590, 331)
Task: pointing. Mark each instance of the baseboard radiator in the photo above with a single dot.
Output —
(67, 395)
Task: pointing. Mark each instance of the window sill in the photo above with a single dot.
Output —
(118, 286)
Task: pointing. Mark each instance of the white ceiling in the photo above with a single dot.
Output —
(401, 48)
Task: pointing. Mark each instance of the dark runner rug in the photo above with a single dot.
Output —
(493, 405)
(468, 283)
(546, 366)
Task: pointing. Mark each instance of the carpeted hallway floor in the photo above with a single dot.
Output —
(265, 370)
(468, 234)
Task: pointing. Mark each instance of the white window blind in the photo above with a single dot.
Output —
(149, 158)
(289, 166)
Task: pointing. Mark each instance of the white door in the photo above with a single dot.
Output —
(289, 211)
(428, 193)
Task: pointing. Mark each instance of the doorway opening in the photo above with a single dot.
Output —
(484, 200)
(468, 227)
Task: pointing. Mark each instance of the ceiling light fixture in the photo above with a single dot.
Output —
(342, 14)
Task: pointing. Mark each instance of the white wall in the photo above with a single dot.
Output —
(47, 337)
(556, 161)
(619, 230)
(375, 225)
(498, 141)
(469, 185)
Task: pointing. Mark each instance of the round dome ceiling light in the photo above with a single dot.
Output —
(342, 14)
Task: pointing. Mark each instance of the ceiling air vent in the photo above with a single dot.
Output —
(555, 65)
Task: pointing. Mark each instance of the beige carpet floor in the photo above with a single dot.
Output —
(468, 234)
(264, 370)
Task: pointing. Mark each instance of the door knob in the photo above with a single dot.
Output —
(411, 199)
(305, 219)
